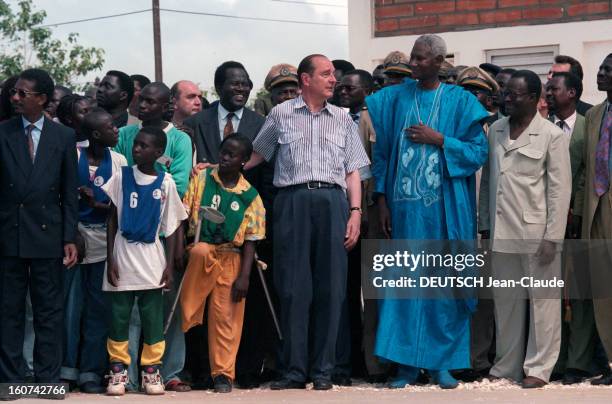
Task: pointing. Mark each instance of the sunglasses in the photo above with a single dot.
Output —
(21, 93)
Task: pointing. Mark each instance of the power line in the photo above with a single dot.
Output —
(195, 13)
(95, 18)
(309, 3)
(253, 18)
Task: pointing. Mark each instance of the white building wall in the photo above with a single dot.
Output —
(588, 41)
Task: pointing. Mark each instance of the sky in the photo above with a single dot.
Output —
(194, 45)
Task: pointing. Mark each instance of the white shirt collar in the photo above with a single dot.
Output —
(38, 124)
(570, 121)
(223, 112)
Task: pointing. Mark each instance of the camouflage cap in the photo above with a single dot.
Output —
(476, 77)
(397, 62)
(446, 67)
(282, 73)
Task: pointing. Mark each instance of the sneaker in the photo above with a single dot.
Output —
(152, 381)
(117, 380)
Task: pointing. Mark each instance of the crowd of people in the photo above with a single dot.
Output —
(150, 239)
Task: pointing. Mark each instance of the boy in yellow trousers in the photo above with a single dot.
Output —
(220, 264)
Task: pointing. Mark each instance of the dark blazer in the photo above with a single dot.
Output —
(38, 202)
(207, 139)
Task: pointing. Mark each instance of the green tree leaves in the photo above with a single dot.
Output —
(24, 44)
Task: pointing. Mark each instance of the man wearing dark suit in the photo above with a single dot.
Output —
(210, 126)
(38, 220)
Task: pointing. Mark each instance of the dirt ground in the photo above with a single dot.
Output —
(483, 392)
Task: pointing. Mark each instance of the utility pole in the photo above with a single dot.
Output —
(157, 42)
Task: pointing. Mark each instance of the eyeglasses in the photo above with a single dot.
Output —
(21, 93)
(513, 96)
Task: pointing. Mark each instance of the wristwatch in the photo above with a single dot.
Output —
(356, 208)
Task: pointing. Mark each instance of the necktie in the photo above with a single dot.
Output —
(30, 141)
(561, 124)
(229, 128)
(602, 154)
(355, 117)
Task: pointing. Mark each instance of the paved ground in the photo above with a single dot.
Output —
(484, 392)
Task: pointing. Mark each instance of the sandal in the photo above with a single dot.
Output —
(177, 385)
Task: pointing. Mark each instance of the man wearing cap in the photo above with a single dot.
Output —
(396, 68)
(259, 338)
(282, 80)
(490, 68)
(282, 83)
(453, 74)
(445, 70)
(378, 74)
(483, 86)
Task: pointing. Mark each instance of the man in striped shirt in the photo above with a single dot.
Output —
(318, 155)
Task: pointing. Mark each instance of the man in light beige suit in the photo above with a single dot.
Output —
(594, 200)
(524, 200)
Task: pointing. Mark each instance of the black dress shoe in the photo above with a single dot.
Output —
(602, 381)
(377, 379)
(270, 375)
(72, 384)
(574, 376)
(247, 381)
(467, 375)
(92, 388)
(202, 384)
(285, 384)
(322, 384)
(222, 384)
(341, 380)
(556, 376)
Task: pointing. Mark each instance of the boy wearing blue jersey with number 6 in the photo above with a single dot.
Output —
(145, 202)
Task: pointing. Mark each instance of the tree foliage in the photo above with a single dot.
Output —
(24, 44)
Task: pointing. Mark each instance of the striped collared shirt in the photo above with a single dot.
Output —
(322, 146)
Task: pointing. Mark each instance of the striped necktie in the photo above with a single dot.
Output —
(30, 141)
